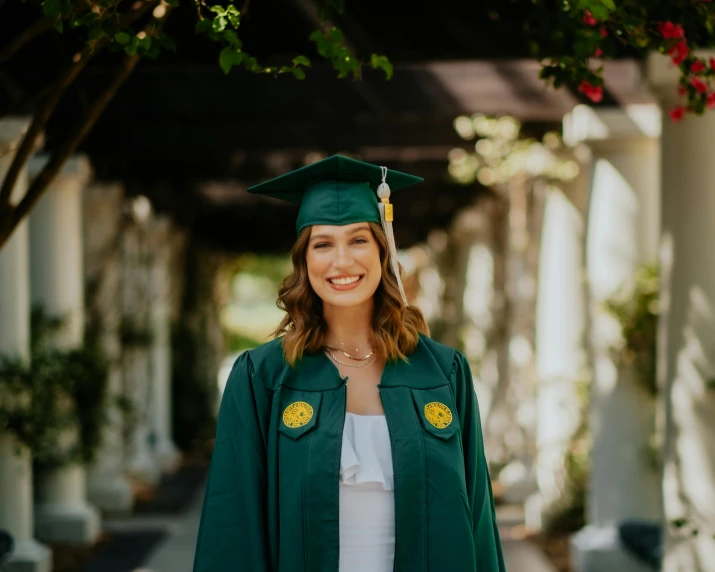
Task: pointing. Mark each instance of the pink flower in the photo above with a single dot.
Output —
(594, 93)
(604, 32)
(699, 84)
(697, 66)
(598, 53)
(678, 113)
(679, 52)
(682, 90)
(712, 63)
(589, 19)
(711, 101)
(671, 31)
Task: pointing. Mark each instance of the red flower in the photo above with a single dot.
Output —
(699, 84)
(678, 113)
(697, 66)
(589, 19)
(682, 90)
(604, 32)
(594, 93)
(598, 53)
(711, 100)
(679, 52)
(671, 31)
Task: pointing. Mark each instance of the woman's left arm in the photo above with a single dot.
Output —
(487, 545)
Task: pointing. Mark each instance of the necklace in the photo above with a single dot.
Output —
(347, 355)
(363, 363)
(347, 348)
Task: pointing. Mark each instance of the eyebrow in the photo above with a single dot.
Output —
(324, 236)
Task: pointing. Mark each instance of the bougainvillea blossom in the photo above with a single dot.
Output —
(593, 92)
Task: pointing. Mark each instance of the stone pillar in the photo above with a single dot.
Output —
(622, 234)
(686, 367)
(62, 513)
(160, 317)
(16, 510)
(137, 339)
(560, 354)
(108, 487)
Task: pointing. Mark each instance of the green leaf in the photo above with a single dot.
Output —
(52, 8)
(233, 16)
(301, 61)
(122, 38)
(96, 32)
(230, 57)
(219, 10)
(381, 62)
(232, 38)
(335, 36)
(131, 49)
(202, 26)
(219, 23)
(58, 25)
(173, 3)
(167, 42)
(298, 73)
(145, 43)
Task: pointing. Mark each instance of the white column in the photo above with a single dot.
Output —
(16, 514)
(160, 238)
(108, 487)
(62, 513)
(622, 234)
(142, 463)
(560, 356)
(687, 329)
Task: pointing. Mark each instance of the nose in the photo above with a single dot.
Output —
(343, 257)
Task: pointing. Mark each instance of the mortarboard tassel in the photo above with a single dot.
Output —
(386, 216)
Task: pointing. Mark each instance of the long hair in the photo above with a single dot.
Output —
(395, 327)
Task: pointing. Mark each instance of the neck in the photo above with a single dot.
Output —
(351, 326)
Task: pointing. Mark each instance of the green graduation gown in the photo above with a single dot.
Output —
(271, 502)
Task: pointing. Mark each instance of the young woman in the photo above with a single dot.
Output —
(351, 442)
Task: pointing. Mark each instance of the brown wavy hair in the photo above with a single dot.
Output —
(395, 327)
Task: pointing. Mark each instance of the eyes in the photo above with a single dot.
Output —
(356, 240)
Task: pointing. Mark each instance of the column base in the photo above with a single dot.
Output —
(29, 556)
(598, 549)
(74, 524)
(167, 455)
(111, 494)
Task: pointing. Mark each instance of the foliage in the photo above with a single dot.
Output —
(636, 307)
(59, 393)
(501, 153)
(569, 37)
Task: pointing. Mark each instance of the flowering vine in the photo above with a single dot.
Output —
(573, 35)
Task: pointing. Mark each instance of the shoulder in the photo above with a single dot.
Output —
(445, 356)
(266, 362)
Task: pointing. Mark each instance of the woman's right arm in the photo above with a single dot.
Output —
(233, 529)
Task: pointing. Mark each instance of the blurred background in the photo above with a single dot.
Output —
(561, 244)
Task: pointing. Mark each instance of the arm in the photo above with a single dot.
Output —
(233, 529)
(487, 544)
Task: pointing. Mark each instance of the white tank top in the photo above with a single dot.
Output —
(367, 503)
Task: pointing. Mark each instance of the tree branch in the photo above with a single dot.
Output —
(40, 119)
(37, 29)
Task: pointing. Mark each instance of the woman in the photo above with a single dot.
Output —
(352, 442)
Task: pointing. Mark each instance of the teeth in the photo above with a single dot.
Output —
(344, 281)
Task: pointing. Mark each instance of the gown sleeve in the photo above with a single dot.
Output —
(487, 544)
(233, 528)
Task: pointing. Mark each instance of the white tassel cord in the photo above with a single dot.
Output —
(387, 227)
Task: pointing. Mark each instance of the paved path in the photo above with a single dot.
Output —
(176, 552)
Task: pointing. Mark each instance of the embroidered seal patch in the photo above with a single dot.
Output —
(297, 414)
(438, 414)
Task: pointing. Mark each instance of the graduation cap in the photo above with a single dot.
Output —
(339, 191)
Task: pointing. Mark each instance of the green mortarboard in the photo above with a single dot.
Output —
(335, 191)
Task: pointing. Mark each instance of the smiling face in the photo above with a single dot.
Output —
(343, 264)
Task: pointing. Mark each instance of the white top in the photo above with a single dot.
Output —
(367, 504)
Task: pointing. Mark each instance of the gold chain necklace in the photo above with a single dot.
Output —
(347, 355)
(362, 364)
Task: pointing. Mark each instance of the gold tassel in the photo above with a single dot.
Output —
(386, 218)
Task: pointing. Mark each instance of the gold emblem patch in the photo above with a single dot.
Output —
(438, 414)
(297, 414)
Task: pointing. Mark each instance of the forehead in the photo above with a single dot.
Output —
(323, 230)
